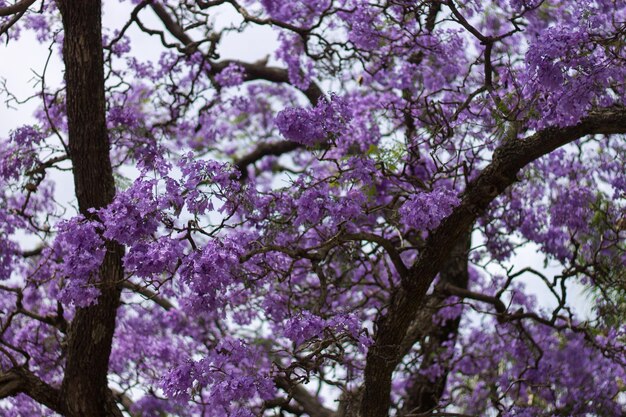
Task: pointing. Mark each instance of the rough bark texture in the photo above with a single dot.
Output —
(84, 390)
(384, 355)
(20, 380)
(16, 8)
(423, 395)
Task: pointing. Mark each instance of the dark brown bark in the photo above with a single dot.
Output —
(263, 150)
(84, 390)
(21, 380)
(423, 394)
(384, 355)
(310, 404)
(19, 7)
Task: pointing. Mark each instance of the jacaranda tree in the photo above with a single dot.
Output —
(333, 231)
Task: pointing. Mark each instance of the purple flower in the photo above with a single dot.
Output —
(424, 211)
(314, 125)
(80, 249)
(231, 76)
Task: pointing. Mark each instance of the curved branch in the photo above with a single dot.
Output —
(253, 71)
(19, 7)
(247, 17)
(496, 302)
(386, 244)
(498, 305)
(508, 159)
(309, 403)
(173, 27)
(263, 150)
(8, 25)
(260, 71)
(22, 381)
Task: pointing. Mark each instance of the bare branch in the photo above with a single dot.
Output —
(21, 381)
(465, 293)
(172, 26)
(5, 27)
(256, 71)
(309, 403)
(263, 150)
(498, 305)
(385, 244)
(19, 7)
(149, 294)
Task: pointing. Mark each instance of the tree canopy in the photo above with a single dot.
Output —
(335, 230)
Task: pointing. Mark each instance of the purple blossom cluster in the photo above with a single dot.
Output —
(18, 154)
(80, 248)
(315, 125)
(234, 372)
(8, 248)
(133, 214)
(424, 211)
(210, 274)
(231, 76)
(308, 326)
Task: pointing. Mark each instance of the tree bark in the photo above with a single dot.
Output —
(85, 389)
(423, 395)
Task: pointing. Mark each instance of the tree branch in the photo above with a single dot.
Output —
(508, 159)
(173, 27)
(260, 71)
(19, 7)
(253, 71)
(22, 381)
(5, 27)
(261, 151)
(450, 289)
(148, 294)
(386, 244)
(308, 402)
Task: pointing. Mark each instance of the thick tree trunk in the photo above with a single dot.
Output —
(84, 389)
(424, 394)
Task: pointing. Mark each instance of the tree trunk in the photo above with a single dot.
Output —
(424, 394)
(85, 389)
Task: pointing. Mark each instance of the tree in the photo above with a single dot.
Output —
(332, 231)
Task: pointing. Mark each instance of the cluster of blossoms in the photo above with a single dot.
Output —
(231, 76)
(80, 246)
(424, 211)
(312, 126)
(20, 152)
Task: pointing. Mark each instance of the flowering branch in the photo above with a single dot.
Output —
(507, 161)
